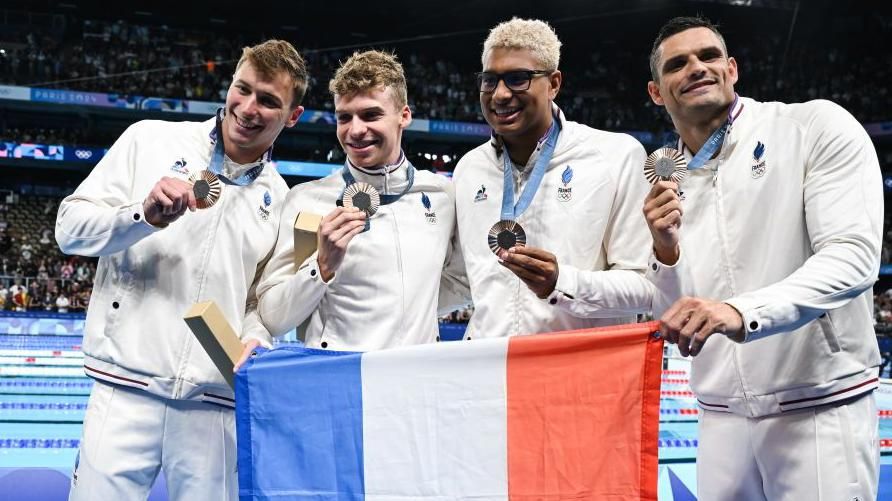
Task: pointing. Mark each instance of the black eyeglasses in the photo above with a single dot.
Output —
(517, 80)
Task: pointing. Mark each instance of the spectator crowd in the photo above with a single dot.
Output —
(603, 88)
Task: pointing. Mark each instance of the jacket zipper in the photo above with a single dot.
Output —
(726, 262)
(399, 263)
(184, 353)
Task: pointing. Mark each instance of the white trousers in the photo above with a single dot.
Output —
(828, 453)
(129, 435)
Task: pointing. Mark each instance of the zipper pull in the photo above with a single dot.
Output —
(715, 177)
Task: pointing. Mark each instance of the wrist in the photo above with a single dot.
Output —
(324, 272)
(667, 255)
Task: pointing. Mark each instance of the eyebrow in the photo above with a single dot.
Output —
(358, 112)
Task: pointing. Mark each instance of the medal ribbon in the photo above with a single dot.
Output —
(216, 165)
(385, 199)
(510, 210)
(714, 142)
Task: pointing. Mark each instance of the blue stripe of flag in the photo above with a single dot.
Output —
(299, 426)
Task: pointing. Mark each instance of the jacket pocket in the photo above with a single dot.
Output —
(829, 330)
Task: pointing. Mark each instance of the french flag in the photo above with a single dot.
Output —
(570, 415)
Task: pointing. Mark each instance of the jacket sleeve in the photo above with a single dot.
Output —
(289, 294)
(843, 202)
(621, 289)
(455, 290)
(103, 215)
(670, 282)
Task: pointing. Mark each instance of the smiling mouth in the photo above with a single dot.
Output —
(505, 112)
(697, 85)
(358, 145)
(245, 125)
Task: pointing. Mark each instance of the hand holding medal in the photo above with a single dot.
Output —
(363, 196)
(665, 164)
(206, 187)
(665, 169)
(167, 201)
(504, 235)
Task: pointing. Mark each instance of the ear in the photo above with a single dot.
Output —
(405, 117)
(295, 116)
(732, 70)
(554, 82)
(653, 89)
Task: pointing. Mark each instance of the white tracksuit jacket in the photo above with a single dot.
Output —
(148, 277)
(592, 222)
(387, 289)
(785, 224)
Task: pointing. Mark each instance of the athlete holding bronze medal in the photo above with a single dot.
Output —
(783, 211)
(578, 197)
(386, 261)
(155, 388)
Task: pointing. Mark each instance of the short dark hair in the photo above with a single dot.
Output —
(675, 26)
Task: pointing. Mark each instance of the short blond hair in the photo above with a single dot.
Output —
(274, 56)
(368, 70)
(533, 35)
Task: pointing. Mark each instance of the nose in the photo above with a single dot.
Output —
(358, 128)
(696, 68)
(249, 106)
(502, 92)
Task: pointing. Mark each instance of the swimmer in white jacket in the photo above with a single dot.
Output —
(782, 214)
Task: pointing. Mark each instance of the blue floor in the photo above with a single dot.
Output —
(43, 396)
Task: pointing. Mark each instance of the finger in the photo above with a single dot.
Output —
(661, 187)
(521, 272)
(699, 339)
(666, 208)
(177, 195)
(674, 319)
(535, 253)
(665, 198)
(344, 240)
(677, 314)
(668, 221)
(246, 353)
(336, 236)
(687, 333)
(160, 200)
(347, 215)
(530, 263)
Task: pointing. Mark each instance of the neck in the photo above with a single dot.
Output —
(243, 156)
(391, 161)
(695, 133)
(521, 147)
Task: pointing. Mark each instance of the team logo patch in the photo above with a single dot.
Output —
(429, 215)
(262, 210)
(180, 166)
(758, 162)
(481, 194)
(565, 192)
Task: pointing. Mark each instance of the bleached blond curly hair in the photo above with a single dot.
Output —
(533, 35)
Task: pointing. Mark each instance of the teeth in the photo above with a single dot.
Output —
(508, 111)
(244, 124)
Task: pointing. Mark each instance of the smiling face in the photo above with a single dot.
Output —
(518, 114)
(696, 77)
(370, 126)
(257, 110)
